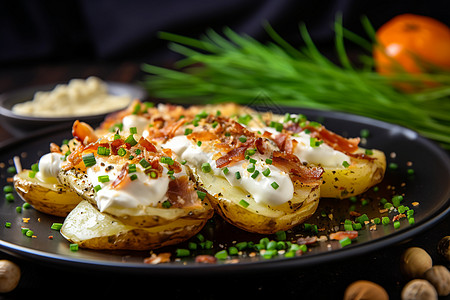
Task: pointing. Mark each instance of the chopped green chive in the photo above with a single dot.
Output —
(251, 168)
(206, 167)
(250, 152)
(182, 252)
(56, 226)
(214, 124)
(199, 143)
(393, 166)
(245, 119)
(103, 151)
(345, 164)
(242, 138)
(280, 235)
(268, 161)
(144, 163)
(103, 178)
(183, 162)
(238, 175)
(345, 241)
(121, 152)
(73, 247)
(8, 188)
(278, 126)
(255, 174)
(133, 177)
(201, 195)
(130, 140)
(225, 170)
(131, 168)
(167, 160)
(266, 172)
(89, 159)
(364, 133)
(97, 188)
(314, 142)
(244, 203)
(137, 151)
(368, 152)
(222, 255)
(187, 131)
(275, 185)
(8, 224)
(166, 204)
(133, 130)
(35, 167)
(396, 200)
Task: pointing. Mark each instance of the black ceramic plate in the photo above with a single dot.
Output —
(18, 123)
(429, 186)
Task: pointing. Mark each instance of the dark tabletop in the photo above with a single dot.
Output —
(324, 281)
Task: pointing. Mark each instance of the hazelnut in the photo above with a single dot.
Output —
(415, 261)
(439, 276)
(419, 289)
(444, 247)
(9, 276)
(363, 289)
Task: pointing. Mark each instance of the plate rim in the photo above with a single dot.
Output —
(224, 268)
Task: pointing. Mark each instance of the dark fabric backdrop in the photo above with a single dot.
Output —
(55, 30)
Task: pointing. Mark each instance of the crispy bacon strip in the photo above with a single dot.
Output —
(203, 136)
(334, 140)
(234, 155)
(147, 145)
(182, 193)
(83, 132)
(122, 179)
(291, 164)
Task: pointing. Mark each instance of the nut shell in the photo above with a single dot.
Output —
(363, 289)
(415, 262)
(444, 247)
(9, 276)
(439, 277)
(419, 289)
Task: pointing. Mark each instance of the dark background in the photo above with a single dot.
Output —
(54, 41)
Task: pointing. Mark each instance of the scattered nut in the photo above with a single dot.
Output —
(439, 276)
(419, 289)
(415, 261)
(444, 247)
(363, 289)
(9, 276)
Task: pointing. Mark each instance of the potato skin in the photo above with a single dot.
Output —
(48, 197)
(258, 218)
(359, 177)
(89, 228)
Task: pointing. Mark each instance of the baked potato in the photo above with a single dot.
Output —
(349, 170)
(129, 178)
(252, 184)
(239, 208)
(46, 195)
(89, 228)
(362, 173)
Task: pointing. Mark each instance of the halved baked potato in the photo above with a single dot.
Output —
(258, 217)
(358, 177)
(357, 170)
(89, 228)
(47, 196)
